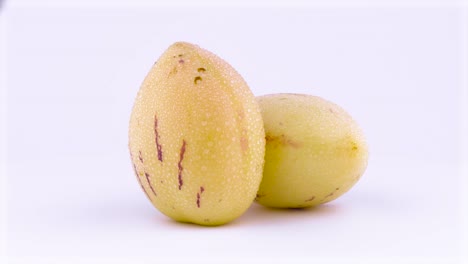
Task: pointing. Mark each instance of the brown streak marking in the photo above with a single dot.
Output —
(293, 144)
(179, 165)
(310, 199)
(139, 180)
(158, 145)
(199, 196)
(149, 183)
(283, 140)
(201, 70)
(140, 157)
(197, 80)
(331, 194)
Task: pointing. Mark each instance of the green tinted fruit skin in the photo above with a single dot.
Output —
(315, 151)
(196, 137)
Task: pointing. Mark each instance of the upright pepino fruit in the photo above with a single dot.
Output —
(196, 137)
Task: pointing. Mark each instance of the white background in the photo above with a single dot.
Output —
(72, 75)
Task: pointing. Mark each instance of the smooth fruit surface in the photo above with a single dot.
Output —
(196, 137)
(315, 151)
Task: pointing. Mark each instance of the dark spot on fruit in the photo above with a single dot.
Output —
(162, 181)
(220, 200)
(179, 165)
(258, 196)
(149, 183)
(181, 61)
(197, 80)
(181, 55)
(280, 123)
(156, 136)
(201, 70)
(173, 71)
(310, 199)
(202, 189)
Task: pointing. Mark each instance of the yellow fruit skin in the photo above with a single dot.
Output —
(196, 137)
(315, 151)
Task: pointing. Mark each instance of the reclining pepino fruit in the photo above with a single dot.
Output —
(315, 151)
(196, 137)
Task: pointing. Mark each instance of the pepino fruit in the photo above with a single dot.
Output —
(315, 151)
(196, 137)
